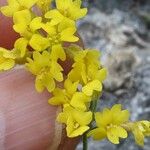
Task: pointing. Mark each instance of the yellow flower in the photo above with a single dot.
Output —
(80, 101)
(17, 5)
(88, 71)
(20, 47)
(140, 130)
(44, 5)
(70, 95)
(55, 35)
(25, 25)
(57, 52)
(87, 67)
(76, 121)
(36, 24)
(92, 86)
(63, 96)
(39, 43)
(66, 9)
(109, 124)
(45, 69)
(21, 20)
(6, 59)
(63, 32)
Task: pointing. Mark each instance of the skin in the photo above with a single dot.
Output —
(27, 121)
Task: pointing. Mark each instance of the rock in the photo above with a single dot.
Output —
(120, 65)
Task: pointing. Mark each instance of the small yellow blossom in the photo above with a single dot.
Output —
(92, 86)
(109, 124)
(56, 35)
(70, 87)
(36, 24)
(6, 59)
(39, 43)
(76, 121)
(80, 101)
(63, 32)
(21, 20)
(140, 129)
(88, 71)
(20, 47)
(57, 52)
(66, 9)
(70, 95)
(44, 5)
(17, 5)
(63, 96)
(45, 69)
(25, 25)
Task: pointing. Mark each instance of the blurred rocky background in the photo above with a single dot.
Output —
(120, 29)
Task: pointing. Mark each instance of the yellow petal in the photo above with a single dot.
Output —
(78, 13)
(6, 60)
(39, 43)
(6, 64)
(122, 117)
(56, 101)
(36, 24)
(21, 20)
(21, 46)
(67, 35)
(122, 133)
(70, 87)
(104, 118)
(44, 5)
(98, 133)
(6, 53)
(62, 118)
(39, 85)
(83, 118)
(55, 15)
(44, 81)
(58, 98)
(11, 8)
(74, 129)
(101, 74)
(56, 71)
(78, 131)
(95, 85)
(63, 5)
(112, 135)
(79, 101)
(49, 83)
(77, 3)
(75, 75)
(58, 53)
(27, 3)
(66, 23)
(138, 136)
(51, 30)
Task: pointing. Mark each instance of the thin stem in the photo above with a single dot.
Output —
(85, 141)
(92, 108)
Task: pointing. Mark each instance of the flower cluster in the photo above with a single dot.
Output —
(44, 30)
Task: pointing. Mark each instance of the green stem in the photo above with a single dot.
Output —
(85, 141)
(92, 108)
